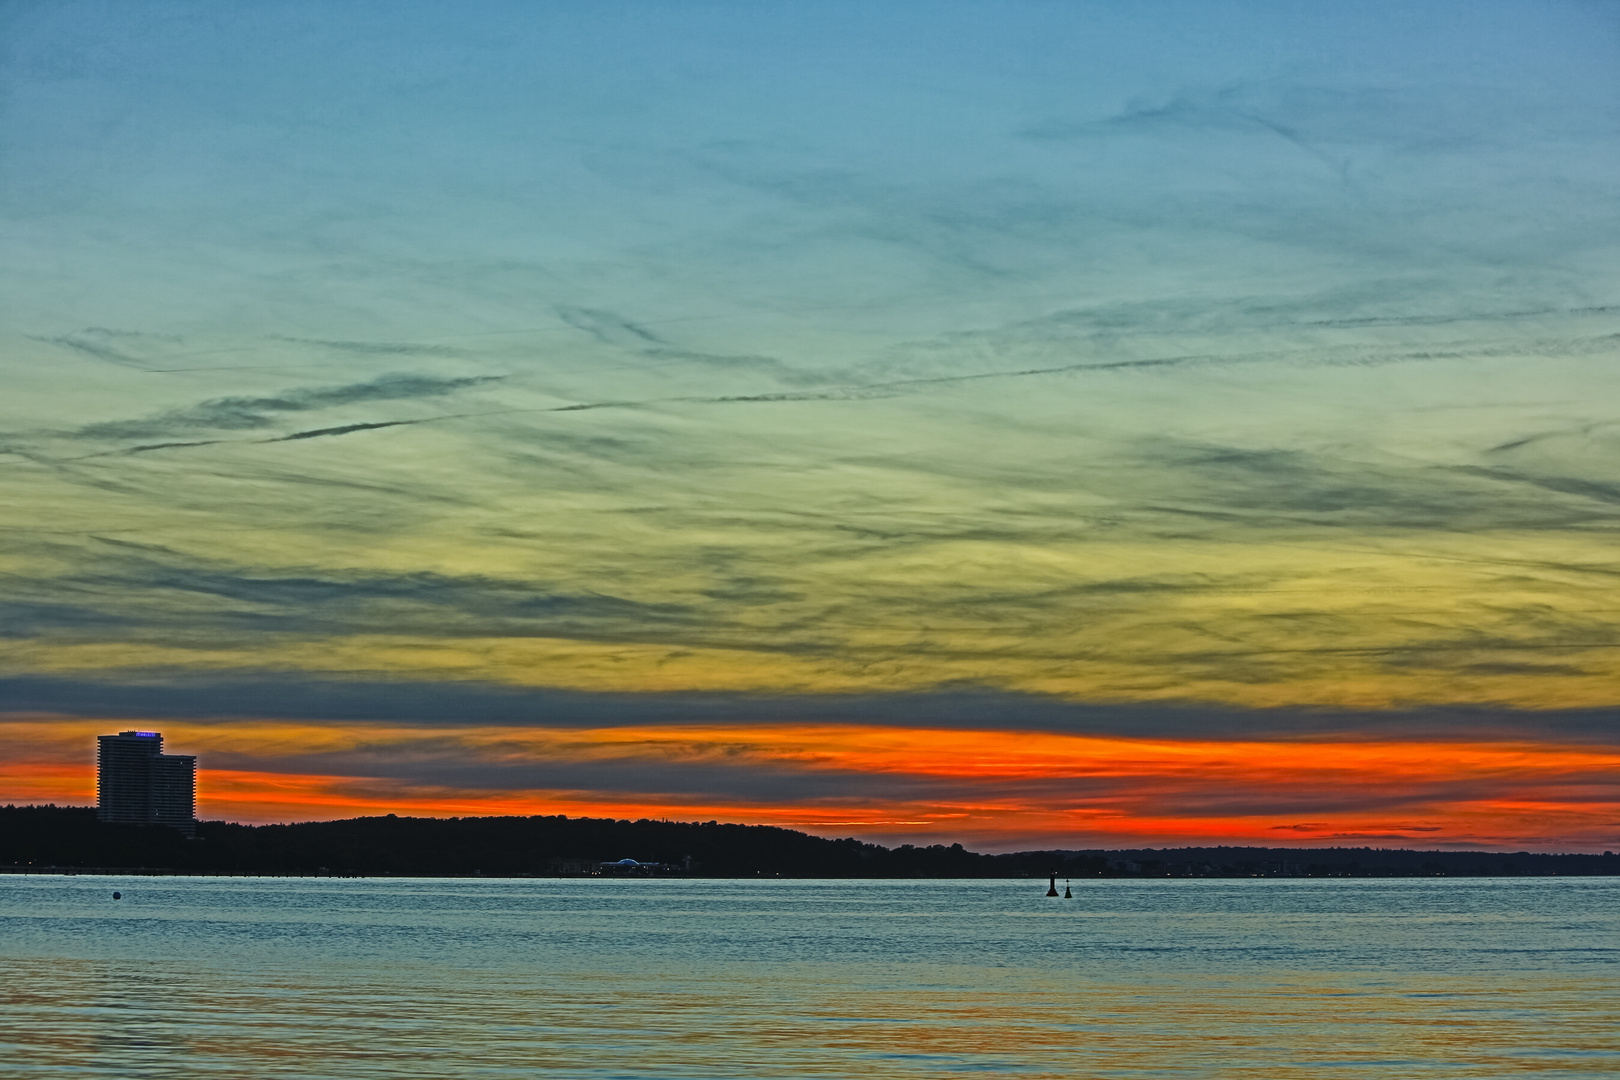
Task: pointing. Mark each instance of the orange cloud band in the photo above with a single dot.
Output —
(995, 789)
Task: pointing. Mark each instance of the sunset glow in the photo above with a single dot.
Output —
(997, 788)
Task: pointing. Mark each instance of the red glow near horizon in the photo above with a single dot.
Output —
(993, 790)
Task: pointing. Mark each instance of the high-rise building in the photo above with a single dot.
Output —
(138, 784)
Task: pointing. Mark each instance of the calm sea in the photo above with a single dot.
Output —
(596, 978)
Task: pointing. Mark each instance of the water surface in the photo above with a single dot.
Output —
(599, 978)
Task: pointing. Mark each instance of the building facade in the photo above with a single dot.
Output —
(138, 784)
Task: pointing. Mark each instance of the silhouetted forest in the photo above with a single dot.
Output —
(41, 837)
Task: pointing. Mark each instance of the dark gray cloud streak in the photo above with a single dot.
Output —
(301, 696)
(251, 413)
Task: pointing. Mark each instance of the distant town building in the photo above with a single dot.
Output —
(138, 784)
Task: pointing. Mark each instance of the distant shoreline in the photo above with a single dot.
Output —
(57, 839)
(163, 872)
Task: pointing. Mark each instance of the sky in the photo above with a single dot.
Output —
(1022, 424)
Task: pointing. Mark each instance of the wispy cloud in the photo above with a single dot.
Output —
(378, 348)
(126, 348)
(251, 413)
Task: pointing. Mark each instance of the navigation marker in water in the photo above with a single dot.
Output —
(1051, 889)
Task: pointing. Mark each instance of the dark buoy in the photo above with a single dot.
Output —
(118, 896)
(1067, 895)
(1052, 888)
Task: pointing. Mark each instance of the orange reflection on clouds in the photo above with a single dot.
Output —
(992, 789)
(45, 782)
(1018, 754)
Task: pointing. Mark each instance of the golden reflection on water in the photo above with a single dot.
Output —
(875, 980)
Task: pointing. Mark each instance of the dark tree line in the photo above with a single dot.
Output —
(491, 846)
(39, 837)
(1349, 862)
